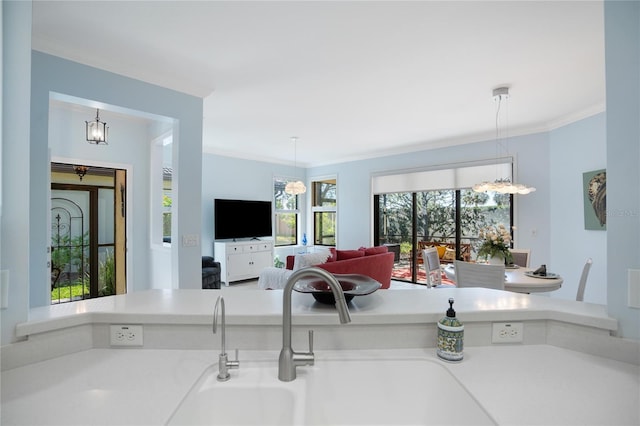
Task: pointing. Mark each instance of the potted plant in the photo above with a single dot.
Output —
(495, 245)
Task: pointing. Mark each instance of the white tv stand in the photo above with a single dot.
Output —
(242, 260)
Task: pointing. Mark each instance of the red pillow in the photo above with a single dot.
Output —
(348, 254)
(375, 250)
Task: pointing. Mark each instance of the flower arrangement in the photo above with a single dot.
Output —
(496, 243)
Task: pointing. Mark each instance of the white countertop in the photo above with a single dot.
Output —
(264, 307)
(534, 383)
(517, 385)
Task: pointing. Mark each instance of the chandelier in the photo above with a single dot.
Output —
(297, 187)
(97, 131)
(502, 185)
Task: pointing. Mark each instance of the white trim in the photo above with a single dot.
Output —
(312, 209)
(156, 148)
(299, 211)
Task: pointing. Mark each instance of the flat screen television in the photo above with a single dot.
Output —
(234, 219)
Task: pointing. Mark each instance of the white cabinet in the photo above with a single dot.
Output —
(242, 260)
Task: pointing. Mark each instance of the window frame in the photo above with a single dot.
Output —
(161, 184)
(297, 211)
(324, 209)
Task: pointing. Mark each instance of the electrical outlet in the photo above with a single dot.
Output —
(507, 332)
(125, 335)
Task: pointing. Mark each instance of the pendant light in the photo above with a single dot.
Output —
(297, 187)
(97, 130)
(81, 170)
(502, 185)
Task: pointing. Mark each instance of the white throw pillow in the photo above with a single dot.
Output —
(309, 259)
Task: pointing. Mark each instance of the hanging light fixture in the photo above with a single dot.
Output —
(97, 130)
(297, 187)
(502, 185)
(81, 170)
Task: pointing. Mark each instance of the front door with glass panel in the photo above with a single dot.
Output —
(87, 235)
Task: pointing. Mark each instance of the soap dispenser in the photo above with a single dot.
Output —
(450, 336)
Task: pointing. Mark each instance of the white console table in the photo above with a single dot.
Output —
(242, 260)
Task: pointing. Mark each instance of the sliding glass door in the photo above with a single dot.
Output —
(408, 222)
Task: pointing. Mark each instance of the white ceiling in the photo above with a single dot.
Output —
(353, 79)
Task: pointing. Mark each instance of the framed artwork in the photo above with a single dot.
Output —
(595, 200)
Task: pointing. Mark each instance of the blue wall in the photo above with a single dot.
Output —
(14, 237)
(52, 74)
(233, 178)
(129, 141)
(622, 55)
(29, 272)
(355, 212)
(577, 148)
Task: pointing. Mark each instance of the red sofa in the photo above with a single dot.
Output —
(374, 262)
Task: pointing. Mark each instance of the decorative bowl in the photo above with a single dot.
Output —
(352, 285)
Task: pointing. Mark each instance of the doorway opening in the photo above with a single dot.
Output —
(88, 229)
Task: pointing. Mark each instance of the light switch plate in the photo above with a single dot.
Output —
(190, 240)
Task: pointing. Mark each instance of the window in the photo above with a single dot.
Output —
(286, 214)
(324, 209)
(167, 174)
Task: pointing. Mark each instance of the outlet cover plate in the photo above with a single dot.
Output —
(125, 335)
(507, 332)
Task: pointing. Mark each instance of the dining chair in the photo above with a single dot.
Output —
(479, 275)
(521, 257)
(432, 266)
(583, 280)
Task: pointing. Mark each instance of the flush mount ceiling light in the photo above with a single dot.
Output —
(97, 130)
(502, 185)
(297, 187)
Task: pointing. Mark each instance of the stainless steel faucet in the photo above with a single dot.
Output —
(289, 359)
(224, 365)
